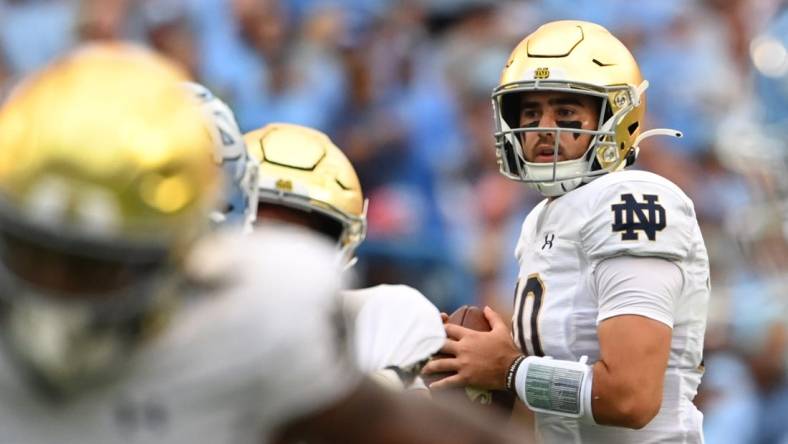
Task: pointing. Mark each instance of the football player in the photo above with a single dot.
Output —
(106, 185)
(610, 305)
(396, 328)
(306, 180)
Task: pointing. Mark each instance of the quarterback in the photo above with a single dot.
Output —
(107, 181)
(610, 304)
(306, 180)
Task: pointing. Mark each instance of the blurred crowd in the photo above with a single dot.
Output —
(404, 88)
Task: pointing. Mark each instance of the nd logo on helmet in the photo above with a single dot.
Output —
(541, 73)
(284, 185)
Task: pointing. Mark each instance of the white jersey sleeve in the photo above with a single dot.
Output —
(639, 215)
(394, 325)
(644, 286)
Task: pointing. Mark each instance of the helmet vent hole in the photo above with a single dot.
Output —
(598, 63)
(632, 128)
(341, 185)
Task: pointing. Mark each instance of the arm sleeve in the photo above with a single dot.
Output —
(644, 286)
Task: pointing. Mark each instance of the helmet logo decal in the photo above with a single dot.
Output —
(284, 185)
(541, 73)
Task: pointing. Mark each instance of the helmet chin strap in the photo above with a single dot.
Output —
(558, 188)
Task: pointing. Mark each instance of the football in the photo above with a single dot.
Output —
(472, 317)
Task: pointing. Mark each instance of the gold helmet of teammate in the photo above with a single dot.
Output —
(302, 169)
(106, 178)
(578, 58)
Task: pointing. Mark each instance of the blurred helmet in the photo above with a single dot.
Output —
(239, 203)
(579, 58)
(106, 179)
(302, 169)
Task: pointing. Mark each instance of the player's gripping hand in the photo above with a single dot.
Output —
(480, 359)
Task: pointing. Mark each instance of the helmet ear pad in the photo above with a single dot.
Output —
(513, 161)
(512, 142)
(510, 109)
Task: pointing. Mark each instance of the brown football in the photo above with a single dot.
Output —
(471, 317)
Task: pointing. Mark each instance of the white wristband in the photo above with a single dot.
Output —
(556, 387)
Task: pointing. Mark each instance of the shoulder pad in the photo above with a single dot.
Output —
(639, 214)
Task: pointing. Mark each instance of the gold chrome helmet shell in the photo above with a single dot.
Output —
(106, 179)
(575, 57)
(301, 168)
(105, 145)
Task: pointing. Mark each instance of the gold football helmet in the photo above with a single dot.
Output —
(301, 168)
(106, 178)
(580, 58)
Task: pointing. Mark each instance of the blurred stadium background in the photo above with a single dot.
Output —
(403, 86)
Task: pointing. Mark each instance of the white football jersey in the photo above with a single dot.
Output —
(557, 309)
(394, 325)
(264, 348)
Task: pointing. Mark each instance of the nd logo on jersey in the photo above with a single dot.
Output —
(631, 216)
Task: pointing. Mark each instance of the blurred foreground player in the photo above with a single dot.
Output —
(610, 305)
(106, 183)
(306, 180)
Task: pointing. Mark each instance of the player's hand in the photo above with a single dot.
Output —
(481, 359)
